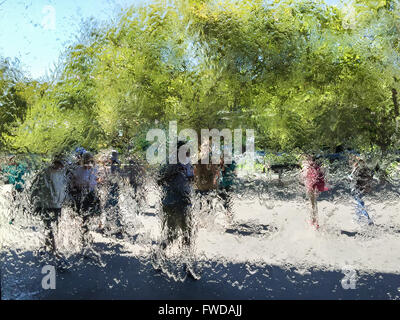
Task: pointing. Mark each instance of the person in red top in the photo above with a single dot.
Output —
(314, 181)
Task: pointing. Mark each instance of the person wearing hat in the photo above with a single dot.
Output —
(49, 192)
(79, 151)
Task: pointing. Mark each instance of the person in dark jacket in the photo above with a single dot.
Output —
(361, 178)
(175, 180)
(176, 202)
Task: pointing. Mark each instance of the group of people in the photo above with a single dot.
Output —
(361, 178)
(93, 189)
(75, 183)
(182, 182)
(89, 187)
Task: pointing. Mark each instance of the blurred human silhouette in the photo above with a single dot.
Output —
(361, 178)
(175, 180)
(49, 192)
(176, 201)
(206, 177)
(113, 219)
(13, 173)
(83, 190)
(226, 181)
(115, 163)
(314, 181)
(135, 175)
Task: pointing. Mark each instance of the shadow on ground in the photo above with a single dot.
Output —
(125, 277)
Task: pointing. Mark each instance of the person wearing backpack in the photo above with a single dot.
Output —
(49, 191)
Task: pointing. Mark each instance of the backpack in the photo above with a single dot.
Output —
(38, 189)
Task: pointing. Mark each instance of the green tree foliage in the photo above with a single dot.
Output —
(16, 94)
(305, 79)
(302, 73)
(63, 115)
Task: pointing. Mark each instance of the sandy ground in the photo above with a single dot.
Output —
(271, 234)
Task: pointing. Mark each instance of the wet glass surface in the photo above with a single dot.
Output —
(98, 100)
(259, 246)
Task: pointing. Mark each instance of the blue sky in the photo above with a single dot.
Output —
(36, 31)
(28, 33)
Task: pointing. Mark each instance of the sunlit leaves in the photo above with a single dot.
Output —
(302, 73)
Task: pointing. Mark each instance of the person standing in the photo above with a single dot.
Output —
(14, 174)
(314, 181)
(115, 163)
(111, 208)
(188, 166)
(49, 191)
(227, 177)
(134, 174)
(83, 190)
(360, 184)
(175, 180)
(206, 176)
(176, 202)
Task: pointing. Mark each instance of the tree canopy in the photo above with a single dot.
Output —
(302, 73)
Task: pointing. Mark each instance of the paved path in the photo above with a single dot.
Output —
(268, 250)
